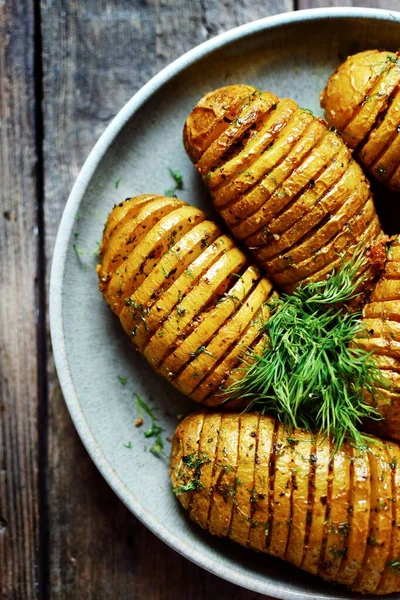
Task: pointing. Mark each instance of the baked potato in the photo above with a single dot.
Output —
(381, 337)
(187, 296)
(362, 101)
(242, 476)
(286, 186)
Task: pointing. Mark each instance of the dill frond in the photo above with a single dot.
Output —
(311, 373)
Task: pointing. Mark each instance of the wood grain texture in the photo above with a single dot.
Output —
(19, 504)
(96, 55)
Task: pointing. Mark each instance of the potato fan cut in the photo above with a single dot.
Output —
(187, 296)
(243, 477)
(286, 186)
(362, 101)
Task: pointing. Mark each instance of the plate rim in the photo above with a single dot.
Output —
(57, 271)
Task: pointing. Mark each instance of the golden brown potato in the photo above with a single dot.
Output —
(362, 101)
(189, 299)
(381, 336)
(243, 477)
(286, 186)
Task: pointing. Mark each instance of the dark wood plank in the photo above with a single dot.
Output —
(19, 519)
(96, 55)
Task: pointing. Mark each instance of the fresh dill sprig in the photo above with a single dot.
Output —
(311, 373)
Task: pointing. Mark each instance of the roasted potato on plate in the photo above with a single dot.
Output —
(286, 186)
(381, 336)
(242, 476)
(362, 101)
(187, 296)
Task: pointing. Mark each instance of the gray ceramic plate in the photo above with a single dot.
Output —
(291, 55)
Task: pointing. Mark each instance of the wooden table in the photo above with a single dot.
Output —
(66, 68)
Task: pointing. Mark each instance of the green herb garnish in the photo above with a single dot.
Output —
(117, 182)
(122, 380)
(178, 183)
(155, 430)
(395, 564)
(307, 374)
(191, 486)
(128, 445)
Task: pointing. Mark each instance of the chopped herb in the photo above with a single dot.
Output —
(164, 272)
(155, 430)
(178, 178)
(194, 461)
(78, 217)
(178, 183)
(122, 380)
(307, 374)
(395, 563)
(141, 405)
(372, 541)
(190, 486)
(117, 182)
(181, 311)
(76, 234)
(128, 445)
(79, 251)
(201, 350)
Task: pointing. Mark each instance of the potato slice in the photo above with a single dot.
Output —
(147, 253)
(183, 448)
(183, 292)
(202, 365)
(260, 524)
(213, 320)
(252, 113)
(277, 196)
(210, 390)
(207, 448)
(390, 580)
(280, 132)
(223, 500)
(142, 326)
(183, 315)
(301, 467)
(380, 524)
(362, 100)
(244, 496)
(129, 232)
(338, 525)
(351, 499)
(320, 481)
(382, 134)
(249, 202)
(350, 84)
(210, 119)
(128, 209)
(358, 517)
(282, 492)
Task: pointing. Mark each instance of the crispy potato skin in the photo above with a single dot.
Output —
(381, 336)
(288, 495)
(286, 186)
(189, 299)
(362, 101)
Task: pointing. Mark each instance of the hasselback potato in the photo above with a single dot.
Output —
(286, 185)
(362, 100)
(381, 336)
(243, 477)
(188, 297)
